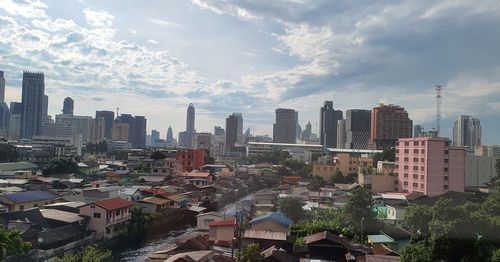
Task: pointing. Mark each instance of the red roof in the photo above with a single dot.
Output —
(229, 222)
(114, 203)
(112, 174)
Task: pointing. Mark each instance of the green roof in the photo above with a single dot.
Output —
(17, 166)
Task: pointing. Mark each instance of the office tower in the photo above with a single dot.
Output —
(240, 140)
(190, 127)
(341, 133)
(467, 132)
(16, 108)
(140, 131)
(388, 124)
(429, 165)
(219, 131)
(231, 131)
(45, 109)
(285, 127)
(155, 136)
(33, 104)
(81, 124)
(170, 136)
(130, 120)
(98, 130)
(487, 150)
(328, 124)
(418, 131)
(120, 131)
(183, 139)
(68, 106)
(203, 141)
(4, 109)
(357, 127)
(109, 119)
(306, 134)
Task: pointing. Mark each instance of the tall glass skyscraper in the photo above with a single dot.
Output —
(328, 124)
(285, 127)
(33, 104)
(68, 106)
(190, 129)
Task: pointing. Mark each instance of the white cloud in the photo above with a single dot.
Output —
(98, 18)
(164, 23)
(152, 41)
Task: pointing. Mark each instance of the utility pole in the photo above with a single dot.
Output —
(361, 239)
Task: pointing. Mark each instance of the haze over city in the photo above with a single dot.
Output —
(252, 57)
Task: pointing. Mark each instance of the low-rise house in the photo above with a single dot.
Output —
(107, 217)
(88, 167)
(267, 239)
(222, 232)
(21, 170)
(131, 193)
(178, 201)
(113, 177)
(57, 218)
(72, 206)
(396, 213)
(325, 246)
(275, 222)
(160, 203)
(203, 219)
(27, 199)
(99, 193)
(197, 178)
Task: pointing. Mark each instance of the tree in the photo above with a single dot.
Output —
(250, 253)
(90, 254)
(338, 177)
(59, 166)
(316, 183)
(417, 219)
(11, 243)
(495, 256)
(419, 252)
(360, 207)
(497, 167)
(292, 208)
(138, 222)
(8, 153)
(156, 155)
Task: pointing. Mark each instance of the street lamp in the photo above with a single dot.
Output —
(362, 220)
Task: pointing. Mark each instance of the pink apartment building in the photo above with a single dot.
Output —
(429, 165)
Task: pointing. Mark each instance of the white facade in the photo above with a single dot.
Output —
(479, 170)
(206, 218)
(80, 124)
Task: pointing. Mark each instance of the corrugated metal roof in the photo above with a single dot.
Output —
(27, 196)
(114, 203)
(269, 235)
(275, 216)
(229, 222)
(59, 215)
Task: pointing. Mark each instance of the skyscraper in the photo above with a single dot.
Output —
(357, 127)
(190, 127)
(4, 109)
(130, 120)
(306, 135)
(109, 119)
(285, 127)
(170, 136)
(240, 138)
(231, 131)
(45, 108)
(219, 131)
(328, 124)
(155, 136)
(68, 106)
(467, 132)
(388, 124)
(16, 108)
(140, 131)
(418, 131)
(341, 133)
(33, 104)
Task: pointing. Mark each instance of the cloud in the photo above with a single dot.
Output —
(98, 18)
(165, 23)
(152, 41)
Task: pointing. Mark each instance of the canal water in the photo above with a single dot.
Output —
(140, 251)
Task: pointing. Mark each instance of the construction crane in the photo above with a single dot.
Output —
(438, 89)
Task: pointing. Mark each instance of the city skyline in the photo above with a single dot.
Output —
(294, 63)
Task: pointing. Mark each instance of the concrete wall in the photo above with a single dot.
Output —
(479, 170)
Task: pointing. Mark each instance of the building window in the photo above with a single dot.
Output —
(405, 183)
(422, 177)
(423, 143)
(118, 212)
(406, 175)
(396, 159)
(406, 167)
(397, 151)
(421, 185)
(21, 207)
(415, 159)
(406, 159)
(97, 215)
(422, 168)
(422, 151)
(415, 168)
(415, 143)
(445, 187)
(422, 160)
(445, 178)
(446, 152)
(415, 151)
(415, 184)
(446, 161)
(35, 205)
(407, 143)
(415, 176)
(445, 169)
(407, 151)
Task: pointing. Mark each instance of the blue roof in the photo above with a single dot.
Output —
(26, 196)
(276, 217)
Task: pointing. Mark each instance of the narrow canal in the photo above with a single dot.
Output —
(159, 241)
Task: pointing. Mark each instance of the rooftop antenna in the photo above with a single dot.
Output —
(117, 111)
(438, 89)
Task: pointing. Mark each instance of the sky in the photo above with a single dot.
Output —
(153, 58)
